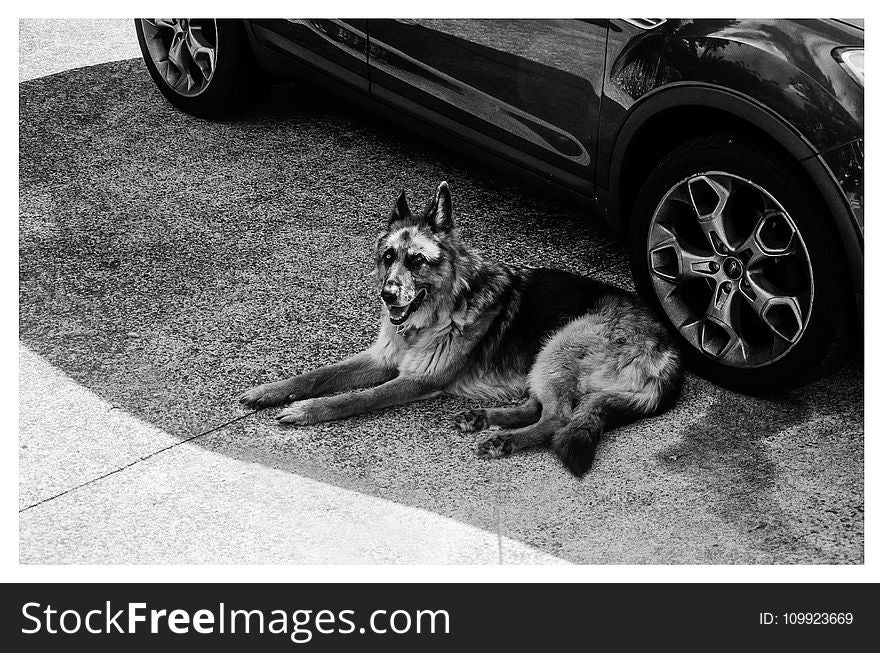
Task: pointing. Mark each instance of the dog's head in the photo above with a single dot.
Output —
(413, 256)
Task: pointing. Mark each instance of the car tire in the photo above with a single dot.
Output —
(204, 67)
(735, 249)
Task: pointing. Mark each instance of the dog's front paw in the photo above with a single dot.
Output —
(299, 412)
(471, 420)
(266, 395)
(498, 445)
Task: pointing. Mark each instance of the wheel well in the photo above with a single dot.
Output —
(668, 129)
(671, 127)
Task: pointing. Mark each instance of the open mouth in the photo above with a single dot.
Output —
(399, 314)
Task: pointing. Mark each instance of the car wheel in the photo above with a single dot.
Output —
(204, 66)
(736, 251)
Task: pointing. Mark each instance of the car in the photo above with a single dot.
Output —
(728, 152)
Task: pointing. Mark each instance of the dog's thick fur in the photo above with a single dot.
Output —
(587, 355)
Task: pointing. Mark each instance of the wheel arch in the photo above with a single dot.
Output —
(663, 119)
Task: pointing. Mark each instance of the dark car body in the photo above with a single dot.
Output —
(590, 106)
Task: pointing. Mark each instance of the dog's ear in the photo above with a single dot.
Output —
(438, 213)
(400, 211)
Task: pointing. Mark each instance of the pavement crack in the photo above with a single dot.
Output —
(139, 460)
(499, 520)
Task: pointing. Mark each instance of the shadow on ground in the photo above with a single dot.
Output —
(168, 263)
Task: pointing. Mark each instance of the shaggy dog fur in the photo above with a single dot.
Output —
(586, 356)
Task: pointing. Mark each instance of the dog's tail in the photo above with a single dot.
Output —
(575, 443)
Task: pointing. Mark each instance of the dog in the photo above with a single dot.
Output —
(584, 355)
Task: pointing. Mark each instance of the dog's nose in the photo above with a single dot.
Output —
(388, 297)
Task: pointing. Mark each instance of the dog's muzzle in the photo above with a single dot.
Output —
(400, 314)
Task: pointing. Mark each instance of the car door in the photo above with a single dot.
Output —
(525, 89)
(336, 47)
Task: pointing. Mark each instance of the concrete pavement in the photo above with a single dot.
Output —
(107, 487)
(52, 45)
(167, 263)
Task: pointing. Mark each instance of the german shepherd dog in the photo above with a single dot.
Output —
(584, 355)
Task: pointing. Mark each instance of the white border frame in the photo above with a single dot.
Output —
(12, 571)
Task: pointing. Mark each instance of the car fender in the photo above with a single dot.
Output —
(762, 117)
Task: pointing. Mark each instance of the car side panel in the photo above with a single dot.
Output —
(521, 86)
(338, 48)
(278, 54)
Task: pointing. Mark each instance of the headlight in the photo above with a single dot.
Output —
(854, 62)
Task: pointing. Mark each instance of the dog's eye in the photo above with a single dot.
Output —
(388, 256)
(418, 259)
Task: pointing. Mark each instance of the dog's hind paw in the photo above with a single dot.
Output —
(471, 420)
(498, 445)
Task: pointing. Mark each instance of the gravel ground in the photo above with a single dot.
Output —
(168, 263)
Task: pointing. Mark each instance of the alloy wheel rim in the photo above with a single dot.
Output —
(730, 269)
(184, 51)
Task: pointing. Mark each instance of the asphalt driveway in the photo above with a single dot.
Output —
(168, 263)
